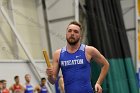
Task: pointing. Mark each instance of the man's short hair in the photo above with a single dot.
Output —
(27, 75)
(3, 81)
(43, 79)
(76, 23)
(16, 77)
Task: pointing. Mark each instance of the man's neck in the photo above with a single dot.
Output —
(27, 83)
(17, 83)
(73, 48)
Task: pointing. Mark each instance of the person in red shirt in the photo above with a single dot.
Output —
(17, 87)
(4, 88)
(0, 86)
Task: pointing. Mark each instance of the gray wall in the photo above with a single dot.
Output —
(60, 13)
(128, 9)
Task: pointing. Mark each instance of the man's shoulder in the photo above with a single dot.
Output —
(58, 51)
(90, 49)
(37, 87)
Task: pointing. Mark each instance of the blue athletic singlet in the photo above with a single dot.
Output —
(76, 71)
(43, 89)
(57, 89)
(29, 89)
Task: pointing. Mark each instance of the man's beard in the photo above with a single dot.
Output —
(72, 41)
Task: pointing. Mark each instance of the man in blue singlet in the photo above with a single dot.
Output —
(28, 87)
(74, 61)
(41, 88)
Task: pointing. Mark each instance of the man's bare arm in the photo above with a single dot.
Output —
(99, 58)
(53, 71)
